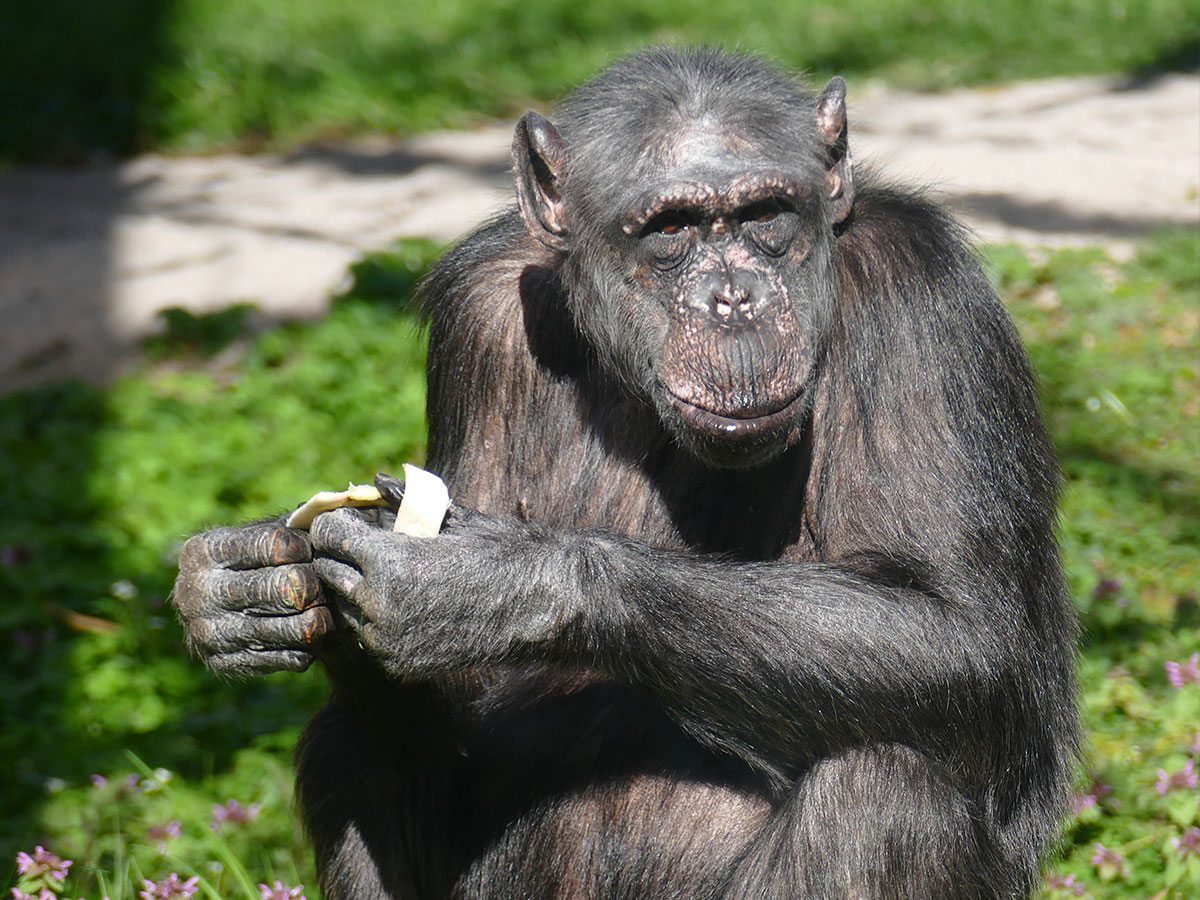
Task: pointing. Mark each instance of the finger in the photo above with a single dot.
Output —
(278, 590)
(299, 631)
(248, 547)
(378, 517)
(245, 663)
(343, 534)
(219, 635)
(338, 576)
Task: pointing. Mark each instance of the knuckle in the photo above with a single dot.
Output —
(300, 586)
(202, 634)
(195, 551)
(290, 586)
(278, 545)
(191, 599)
(289, 545)
(336, 528)
(318, 622)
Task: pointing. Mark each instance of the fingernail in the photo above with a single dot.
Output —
(390, 487)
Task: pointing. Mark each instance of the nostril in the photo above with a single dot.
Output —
(732, 305)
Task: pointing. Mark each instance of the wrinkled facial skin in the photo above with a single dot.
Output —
(731, 263)
(697, 250)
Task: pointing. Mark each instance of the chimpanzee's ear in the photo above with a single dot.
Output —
(539, 160)
(831, 132)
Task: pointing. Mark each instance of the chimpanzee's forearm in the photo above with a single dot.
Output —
(780, 662)
(776, 662)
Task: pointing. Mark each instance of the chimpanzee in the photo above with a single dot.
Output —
(750, 587)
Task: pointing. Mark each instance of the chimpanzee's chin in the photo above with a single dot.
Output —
(745, 452)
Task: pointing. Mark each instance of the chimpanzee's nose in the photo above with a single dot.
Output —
(732, 304)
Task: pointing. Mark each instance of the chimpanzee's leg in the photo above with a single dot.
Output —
(375, 806)
(878, 823)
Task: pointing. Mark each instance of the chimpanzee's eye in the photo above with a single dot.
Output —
(670, 223)
(668, 236)
(770, 225)
(764, 211)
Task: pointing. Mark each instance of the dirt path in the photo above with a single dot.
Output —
(87, 257)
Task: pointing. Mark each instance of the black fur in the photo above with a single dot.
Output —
(842, 669)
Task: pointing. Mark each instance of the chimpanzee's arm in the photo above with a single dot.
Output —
(776, 662)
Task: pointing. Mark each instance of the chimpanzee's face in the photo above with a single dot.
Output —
(697, 254)
(725, 257)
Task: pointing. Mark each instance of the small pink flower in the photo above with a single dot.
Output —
(1188, 844)
(1194, 749)
(281, 892)
(234, 813)
(1109, 863)
(1066, 883)
(41, 863)
(160, 834)
(1183, 673)
(1184, 778)
(1091, 795)
(170, 888)
(43, 894)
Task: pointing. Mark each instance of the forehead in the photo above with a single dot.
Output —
(710, 166)
(708, 148)
(704, 161)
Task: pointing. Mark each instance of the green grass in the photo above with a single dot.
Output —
(1118, 355)
(191, 75)
(99, 488)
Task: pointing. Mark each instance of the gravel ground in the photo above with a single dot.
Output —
(88, 256)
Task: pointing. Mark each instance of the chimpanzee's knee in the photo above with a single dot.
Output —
(875, 823)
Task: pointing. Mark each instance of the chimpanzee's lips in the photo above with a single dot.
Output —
(729, 426)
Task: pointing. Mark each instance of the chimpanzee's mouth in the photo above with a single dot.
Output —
(729, 426)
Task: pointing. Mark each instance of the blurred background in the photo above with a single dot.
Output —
(212, 215)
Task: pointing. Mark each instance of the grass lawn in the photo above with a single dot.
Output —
(193, 75)
(101, 485)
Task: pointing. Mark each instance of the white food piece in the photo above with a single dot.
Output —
(354, 495)
(424, 506)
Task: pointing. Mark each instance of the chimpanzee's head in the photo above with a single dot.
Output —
(693, 199)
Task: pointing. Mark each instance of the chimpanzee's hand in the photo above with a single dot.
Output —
(424, 605)
(250, 600)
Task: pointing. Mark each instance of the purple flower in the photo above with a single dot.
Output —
(1080, 802)
(1091, 796)
(169, 888)
(234, 813)
(1195, 748)
(160, 834)
(99, 781)
(281, 892)
(1188, 844)
(1183, 673)
(1109, 863)
(1184, 778)
(1066, 883)
(42, 862)
(1106, 587)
